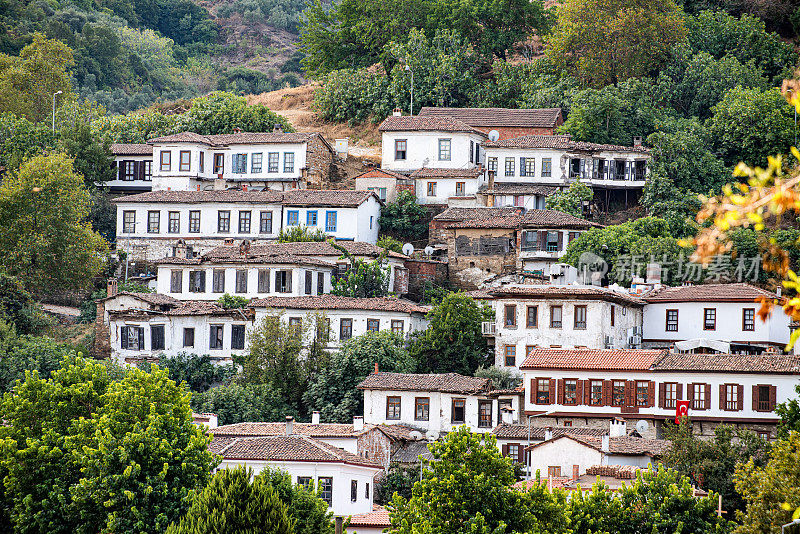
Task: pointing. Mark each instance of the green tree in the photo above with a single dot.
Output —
(601, 42)
(391, 244)
(21, 139)
(85, 451)
(44, 239)
(229, 301)
(198, 372)
(363, 279)
(220, 113)
(676, 206)
(751, 124)
(501, 377)
(17, 306)
(93, 159)
(232, 503)
(301, 234)
(21, 354)
(308, 512)
(789, 412)
(404, 219)
(353, 96)
(333, 391)
(466, 489)
(399, 479)
(570, 200)
(235, 403)
(453, 341)
(710, 464)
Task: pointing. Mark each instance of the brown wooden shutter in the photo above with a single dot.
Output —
(560, 395)
(680, 391)
(606, 393)
(740, 397)
(773, 394)
(708, 397)
(533, 391)
(579, 392)
(560, 239)
(542, 240)
(630, 393)
(520, 453)
(662, 395)
(121, 170)
(505, 449)
(651, 394)
(289, 281)
(690, 392)
(722, 403)
(587, 392)
(755, 398)
(552, 390)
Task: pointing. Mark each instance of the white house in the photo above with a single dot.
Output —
(374, 522)
(441, 154)
(435, 403)
(271, 160)
(385, 183)
(588, 387)
(713, 317)
(615, 173)
(150, 225)
(133, 168)
(534, 316)
(514, 438)
(344, 480)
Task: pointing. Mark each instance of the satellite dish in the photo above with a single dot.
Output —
(416, 435)
(408, 249)
(428, 250)
(432, 435)
(642, 426)
(494, 135)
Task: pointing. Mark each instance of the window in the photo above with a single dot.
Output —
(530, 167)
(166, 160)
(237, 336)
(157, 337)
(353, 490)
(304, 481)
(380, 191)
(444, 149)
(292, 218)
(255, 162)
(422, 408)
(554, 471)
(202, 163)
(393, 408)
(272, 161)
(148, 171)
(471, 151)
(128, 221)
(514, 451)
(265, 224)
(580, 317)
(239, 164)
(547, 168)
(510, 315)
(670, 395)
(219, 163)
(613, 313)
(595, 392)
(176, 281)
(326, 489)
(431, 189)
(188, 337)
(555, 316)
(509, 166)
(241, 280)
(263, 280)
(128, 170)
(330, 221)
(397, 327)
(763, 398)
(460, 188)
(570, 391)
(510, 355)
(731, 397)
(174, 223)
(618, 393)
(373, 325)
(484, 414)
(296, 323)
(400, 149)
(764, 434)
(699, 394)
(366, 490)
(218, 281)
(543, 393)
(283, 281)
(491, 164)
(244, 222)
(311, 218)
(131, 337)
(553, 242)
(197, 281)
(184, 163)
(223, 221)
(153, 222)
(194, 222)
(709, 319)
(458, 411)
(642, 393)
(530, 240)
(321, 284)
(345, 329)
(672, 320)
(288, 162)
(749, 319)
(215, 337)
(532, 317)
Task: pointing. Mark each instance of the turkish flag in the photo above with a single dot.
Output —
(681, 410)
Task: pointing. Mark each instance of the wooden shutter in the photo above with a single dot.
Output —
(630, 393)
(662, 395)
(740, 397)
(651, 394)
(680, 392)
(722, 403)
(606, 393)
(560, 395)
(505, 449)
(708, 397)
(121, 170)
(522, 167)
(587, 392)
(755, 398)
(520, 453)
(533, 391)
(123, 335)
(140, 332)
(773, 394)
(552, 390)
(560, 239)
(690, 392)
(579, 392)
(542, 240)
(289, 280)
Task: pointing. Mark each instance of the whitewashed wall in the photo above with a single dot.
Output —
(423, 150)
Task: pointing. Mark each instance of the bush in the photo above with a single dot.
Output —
(229, 301)
(235, 403)
(352, 96)
(301, 234)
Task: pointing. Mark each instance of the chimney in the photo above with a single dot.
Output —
(198, 187)
(314, 418)
(111, 287)
(237, 130)
(289, 425)
(376, 367)
(604, 443)
(637, 141)
(508, 416)
(244, 187)
(576, 472)
(548, 433)
(277, 128)
(397, 112)
(180, 250)
(213, 420)
(358, 423)
(617, 428)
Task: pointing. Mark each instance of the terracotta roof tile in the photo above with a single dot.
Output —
(234, 138)
(627, 445)
(729, 363)
(277, 259)
(520, 431)
(446, 173)
(381, 173)
(376, 519)
(535, 218)
(131, 149)
(566, 292)
(512, 188)
(498, 117)
(156, 299)
(471, 214)
(294, 448)
(335, 302)
(410, 453)
(431, 124)
(330, 197)
(294, 197)
(596, 359)
(736, 292)
(560, 142)
(315, 248)
(322, 430)
(444, 383)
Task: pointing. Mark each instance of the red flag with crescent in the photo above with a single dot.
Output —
(681, 410)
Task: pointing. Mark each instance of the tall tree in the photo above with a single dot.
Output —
(363, 279)
(44, 237)
(404, 218)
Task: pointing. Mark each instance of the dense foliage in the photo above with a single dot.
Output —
(363, 279)
(404, 219)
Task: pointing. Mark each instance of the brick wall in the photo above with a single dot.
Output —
(102, 337)
(375, 445)
(319, 160)
(421, 271)
(508, 133)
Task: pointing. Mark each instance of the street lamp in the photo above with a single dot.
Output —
(54, 109)
(795, 522)
(412, 88)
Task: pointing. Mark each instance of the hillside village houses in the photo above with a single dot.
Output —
(133, 168)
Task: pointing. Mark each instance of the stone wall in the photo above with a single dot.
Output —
(475, 255)
(375, 445)
(421, 271)
(155, 248)
(319, 160)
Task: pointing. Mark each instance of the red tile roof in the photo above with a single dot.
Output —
(131, 149)
(444, 383)
(498, 117)
(295, 197)
(243, 138)
(520, 431)
(322, 430)
(736, 292)
(330, 197)
(376, 519)
(294, 448)
(381, 173)
(729, 363)
(156, 299)
(431, 124)
(566, 292)
(315, 248)
(513, 188)
(446, 173)
(594, 359)
(468, 214)
(626, 445)
(560, 142)
(335, 302)
(531, 219)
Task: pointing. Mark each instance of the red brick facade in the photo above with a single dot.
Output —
(421, 271)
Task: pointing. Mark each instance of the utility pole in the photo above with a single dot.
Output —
(412, 89)
(54, 109)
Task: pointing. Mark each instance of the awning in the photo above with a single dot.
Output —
(714, 344)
